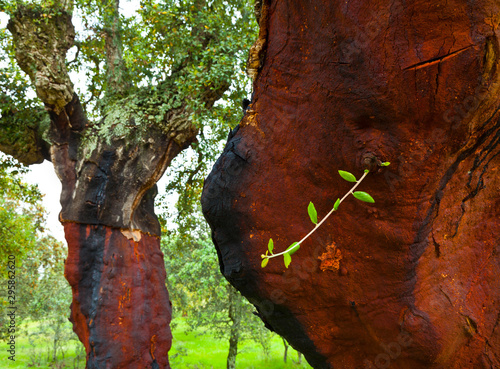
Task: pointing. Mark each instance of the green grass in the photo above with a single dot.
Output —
(196, 351)
(34, 352)
(190, 350)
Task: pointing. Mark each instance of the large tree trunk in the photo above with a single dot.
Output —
(121, 309)
(340, 86)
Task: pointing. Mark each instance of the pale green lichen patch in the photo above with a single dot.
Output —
(132, 117)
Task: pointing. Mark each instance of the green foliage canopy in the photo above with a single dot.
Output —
(168, 53)
(199, 291)
(21, 213)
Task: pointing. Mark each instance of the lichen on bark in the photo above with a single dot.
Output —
(41, 46)
(136, 116)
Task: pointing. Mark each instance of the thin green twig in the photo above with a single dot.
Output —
(319, 224)
(360, 195)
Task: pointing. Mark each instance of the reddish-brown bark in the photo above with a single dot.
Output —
(414, 83)
(120, 310)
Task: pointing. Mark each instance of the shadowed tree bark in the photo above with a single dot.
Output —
(411, 281)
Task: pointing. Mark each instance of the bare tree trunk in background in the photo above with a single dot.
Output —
(285, 354)
(342, 85)
(235, 317)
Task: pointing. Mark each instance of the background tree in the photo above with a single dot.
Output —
(21, 220)
(44, 295)
(21, 213)
(150, 81)
(205, 298)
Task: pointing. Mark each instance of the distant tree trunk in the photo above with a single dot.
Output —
(344, 85)
(285, 354)
(235, 317)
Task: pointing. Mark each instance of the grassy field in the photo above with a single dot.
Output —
(190, 350)
(33, 350)
(194, 351)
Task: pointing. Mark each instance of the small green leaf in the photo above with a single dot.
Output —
(291, 252)
(385, 164)
(288, 259)
(264, 262)
(363, 196)
(313, 214)
(347, 176)
(270, 245)
(336, 205)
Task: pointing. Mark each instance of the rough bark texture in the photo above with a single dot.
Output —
(41, 48)
(121, 309)
(413, 280)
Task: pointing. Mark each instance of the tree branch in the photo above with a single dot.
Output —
(92, 87)
(41, 44)
(77, 44)
(116, 73)
(21, 135)
(44, 58)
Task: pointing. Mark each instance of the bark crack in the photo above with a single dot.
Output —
(480, 183)
(437, 80)
(447, 297)
(437, 247)
(419, 245)
(428, 63)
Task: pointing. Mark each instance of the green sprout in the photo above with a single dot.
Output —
(313, 215)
